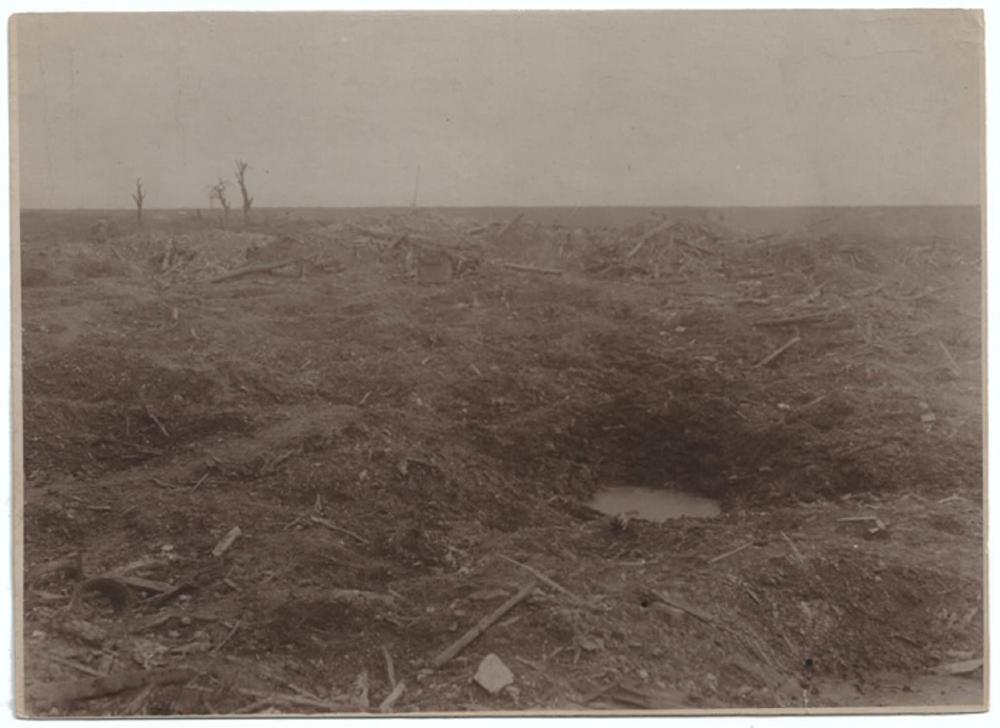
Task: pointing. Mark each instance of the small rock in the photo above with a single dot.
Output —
(590, 644)
(492, 675)
(929, 417)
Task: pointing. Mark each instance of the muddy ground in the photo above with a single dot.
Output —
(397, 416)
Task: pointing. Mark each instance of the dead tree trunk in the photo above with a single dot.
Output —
(241, 171)
(218, 192)
(138, 196)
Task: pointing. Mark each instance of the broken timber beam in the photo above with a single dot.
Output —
(252, 269)
(484, 624)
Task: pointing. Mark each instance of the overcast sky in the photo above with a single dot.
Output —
(662, 108)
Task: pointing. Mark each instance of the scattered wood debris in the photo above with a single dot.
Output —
(390, 669)
(963, 667)
(254, 269)
(522, 268)
(778, 352)
(44, 695)
(228, 540)
(387, 705)
(114, 589)
(484, 624)
(684, 607)
(359, 696)
(543, 578)
(326, 523)
(731, 552)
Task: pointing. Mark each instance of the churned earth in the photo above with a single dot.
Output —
(403, 444)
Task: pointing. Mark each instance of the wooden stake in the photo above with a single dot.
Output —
(484, 624)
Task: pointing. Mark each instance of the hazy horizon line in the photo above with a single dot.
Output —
(238, 211)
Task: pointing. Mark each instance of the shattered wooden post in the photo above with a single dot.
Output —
(484, 624)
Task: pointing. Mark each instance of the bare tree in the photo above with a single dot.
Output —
(241, 171)
(138, 196)
(218, 192)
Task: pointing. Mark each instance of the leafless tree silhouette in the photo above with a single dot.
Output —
(241, 171)
(218, 192)
(138, 196)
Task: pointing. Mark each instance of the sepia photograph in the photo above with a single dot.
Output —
(498, 363)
